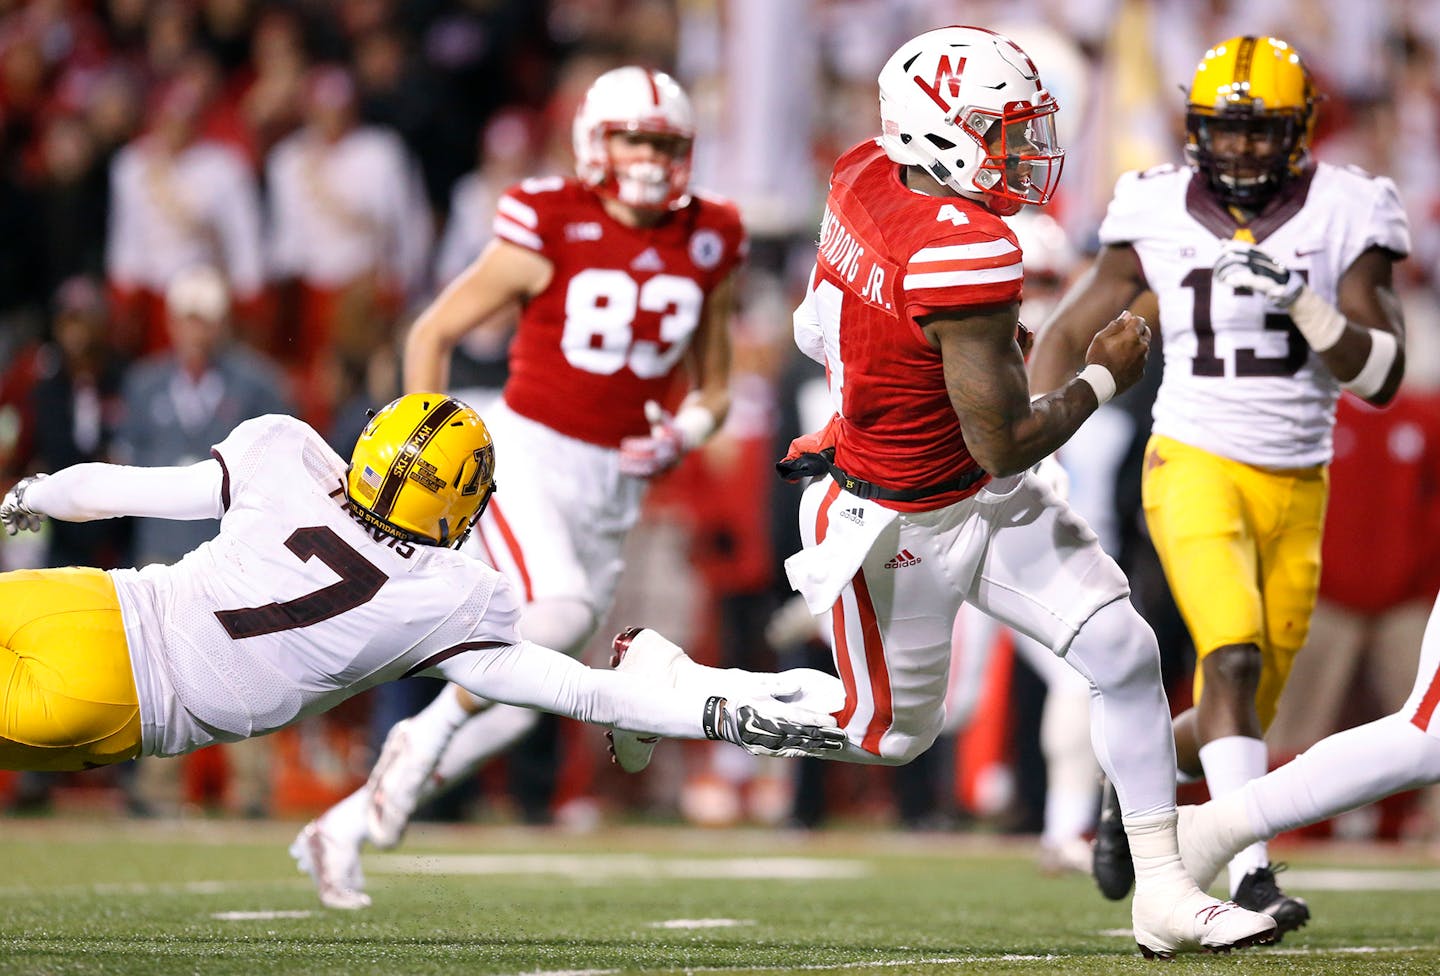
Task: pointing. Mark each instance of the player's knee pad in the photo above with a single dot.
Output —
(1115, 647)
(561, 623)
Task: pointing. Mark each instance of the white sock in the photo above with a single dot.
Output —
(1071, 772)
(433, 725)
(1341, 772)
(1155, 851)
(346, 820)
(1231, 762)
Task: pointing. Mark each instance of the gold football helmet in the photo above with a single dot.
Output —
(1249, 118)
(423, 469)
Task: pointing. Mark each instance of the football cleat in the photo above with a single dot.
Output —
(333, 865)
(1112, 867)
(1259, 893)
(395, 785)
(1073, 855)
(1196, 923)
(639, 650)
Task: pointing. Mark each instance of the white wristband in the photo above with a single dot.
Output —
(1319, 322)
(1100, 379)
(1372, 376)
(695, 423)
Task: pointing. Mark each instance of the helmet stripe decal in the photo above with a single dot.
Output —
(654, 89)
(1244, 59)
(419, 438)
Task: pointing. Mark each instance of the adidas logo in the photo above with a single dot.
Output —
(856, 515)
(906, 558)
(649, 260)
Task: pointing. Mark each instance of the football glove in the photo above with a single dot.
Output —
(14, 514)
(773, 729)
(1243, 265)
(646, 457)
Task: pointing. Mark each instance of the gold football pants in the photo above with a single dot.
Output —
(1240, 546)
(67, 696)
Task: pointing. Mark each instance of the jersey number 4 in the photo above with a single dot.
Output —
(360, 580)
(1247, 361)
(600, 309)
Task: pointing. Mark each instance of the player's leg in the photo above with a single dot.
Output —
(1071, 771)
(1046, 576)
(70, 698)
(1341, 772)
(1201, 523)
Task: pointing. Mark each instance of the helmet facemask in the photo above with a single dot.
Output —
(649, 184)
(1245, 156)
(1022, 159)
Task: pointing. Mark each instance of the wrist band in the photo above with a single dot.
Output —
(1319, 322)
(1372, 376)
(695, 423)
(711, 718)
(1101, 380)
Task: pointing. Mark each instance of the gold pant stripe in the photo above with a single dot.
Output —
(67, 696)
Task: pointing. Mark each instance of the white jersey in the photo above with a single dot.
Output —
(1240, 381)
(294, 606)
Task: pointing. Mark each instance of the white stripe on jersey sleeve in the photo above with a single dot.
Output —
(985, 276)
(518, 212)
(964, 252)
(516, 234)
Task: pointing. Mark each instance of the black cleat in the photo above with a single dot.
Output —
(1112, 867)
(1259, 893)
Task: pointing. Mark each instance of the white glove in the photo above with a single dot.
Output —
(14, 514)
(646, 457)
(1243, 265)
(1052, 473)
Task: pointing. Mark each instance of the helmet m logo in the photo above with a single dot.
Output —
(945, 75)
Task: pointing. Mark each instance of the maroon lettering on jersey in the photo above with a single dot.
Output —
(611, 329)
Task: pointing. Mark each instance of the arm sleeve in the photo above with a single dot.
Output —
(533, 676)
(86, 492)
(1125, 217)
(1388, 228)
(809, 337)
(517, 221)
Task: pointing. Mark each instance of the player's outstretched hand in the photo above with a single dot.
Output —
(1121, 347)
(646, 457)
(770, 728)
(14, 514)
(1243, 265)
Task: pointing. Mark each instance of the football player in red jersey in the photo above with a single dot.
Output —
(625, 281)
(913, 308)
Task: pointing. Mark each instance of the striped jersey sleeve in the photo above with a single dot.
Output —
(519, 217)
(963, 273)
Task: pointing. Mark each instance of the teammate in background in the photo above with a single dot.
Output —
(1274, 281)
(913, 308)
(625, 282)
(325, 580)
(1341, 772)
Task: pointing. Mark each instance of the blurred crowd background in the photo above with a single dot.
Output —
(213, 209)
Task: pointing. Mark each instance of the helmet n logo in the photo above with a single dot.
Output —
(946, 75)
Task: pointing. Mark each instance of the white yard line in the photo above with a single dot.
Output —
(639, 866)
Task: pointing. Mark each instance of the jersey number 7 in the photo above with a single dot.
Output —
(360, 580)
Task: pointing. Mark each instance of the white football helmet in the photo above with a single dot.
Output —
(634, 99)
(966, 105)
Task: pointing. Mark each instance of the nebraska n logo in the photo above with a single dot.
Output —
(946, 75)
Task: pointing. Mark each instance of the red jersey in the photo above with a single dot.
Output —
(888, 256)
(611, 327)
(1384, 512)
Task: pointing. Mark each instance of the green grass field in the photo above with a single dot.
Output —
(123, 897)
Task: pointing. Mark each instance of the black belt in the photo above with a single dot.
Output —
(812, 465)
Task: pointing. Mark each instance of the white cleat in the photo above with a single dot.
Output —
(642, 651)
(1196, 923)
(1070, 856)
(395, 785)
(1200, 852)
(333, 865)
